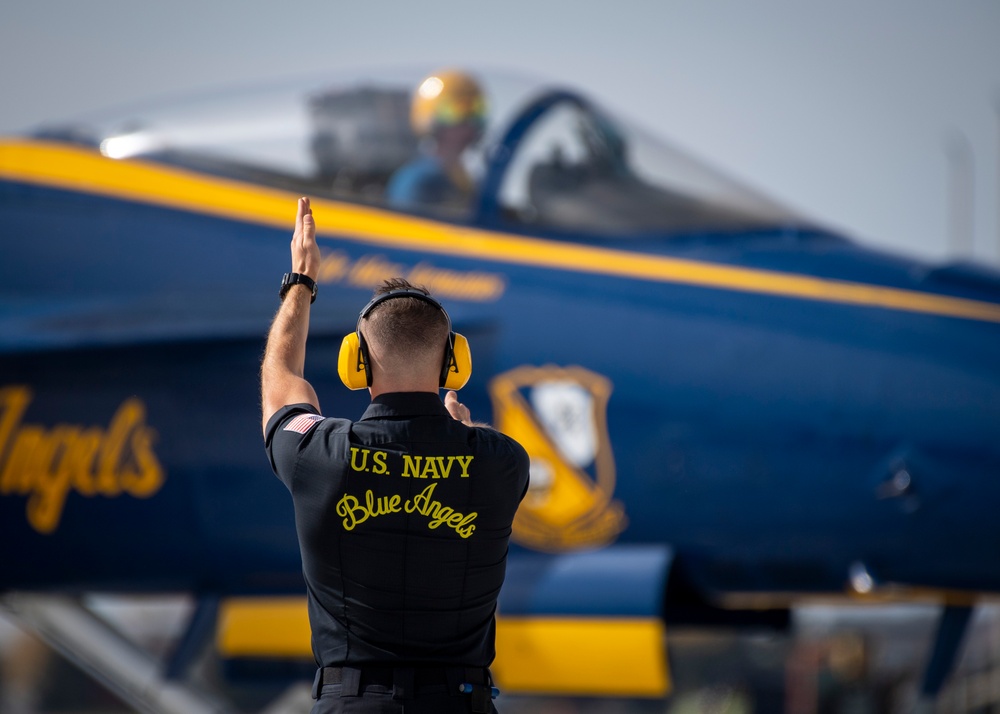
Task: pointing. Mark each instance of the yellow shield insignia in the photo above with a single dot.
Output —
(559, 415)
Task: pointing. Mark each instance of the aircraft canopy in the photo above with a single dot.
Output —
(548, 159)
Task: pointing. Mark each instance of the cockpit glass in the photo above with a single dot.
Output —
(578, 169)
(363, 140)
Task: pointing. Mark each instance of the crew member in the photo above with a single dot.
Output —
(404, 516)
(448, 115)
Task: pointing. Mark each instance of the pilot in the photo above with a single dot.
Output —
(448, 115)
(403, 517)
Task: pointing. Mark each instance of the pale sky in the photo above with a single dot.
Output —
(844, 111)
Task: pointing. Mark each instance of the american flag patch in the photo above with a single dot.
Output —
(303, 423)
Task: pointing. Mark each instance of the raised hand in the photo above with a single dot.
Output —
(305, 251)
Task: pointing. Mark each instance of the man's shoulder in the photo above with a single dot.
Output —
(420, 166)
(505, 457)
(299, 420)
(489, 438)
(414, 176)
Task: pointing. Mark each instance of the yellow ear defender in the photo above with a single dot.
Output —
(458, 362)
(352, 363)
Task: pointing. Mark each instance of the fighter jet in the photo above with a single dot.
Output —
(730, 409)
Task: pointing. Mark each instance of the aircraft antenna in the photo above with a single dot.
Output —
(961, 202)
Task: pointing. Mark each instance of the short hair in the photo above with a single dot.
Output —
(406, 327)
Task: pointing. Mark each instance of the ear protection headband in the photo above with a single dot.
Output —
(352, 364)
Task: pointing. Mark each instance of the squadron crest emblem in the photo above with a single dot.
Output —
(559, 415)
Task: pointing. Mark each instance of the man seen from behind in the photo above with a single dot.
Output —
(404, 516)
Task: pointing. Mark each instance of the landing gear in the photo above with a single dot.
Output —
(952, 626)
(103, 653)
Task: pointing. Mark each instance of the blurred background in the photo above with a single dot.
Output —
(879, 119)
(833, 660)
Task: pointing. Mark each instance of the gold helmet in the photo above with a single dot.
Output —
(445, 99)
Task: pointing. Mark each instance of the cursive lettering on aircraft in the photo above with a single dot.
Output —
(46, 463)
(371, 269)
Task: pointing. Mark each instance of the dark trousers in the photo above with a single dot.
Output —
(402, 690)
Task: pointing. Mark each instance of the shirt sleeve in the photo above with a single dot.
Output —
(522, 467)
(517, 459)
(287, 433)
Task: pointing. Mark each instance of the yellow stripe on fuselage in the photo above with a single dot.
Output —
(76, 169)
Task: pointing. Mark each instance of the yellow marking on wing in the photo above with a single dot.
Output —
(264, 628)
(595, 656)
(582, 655)
(77, 169)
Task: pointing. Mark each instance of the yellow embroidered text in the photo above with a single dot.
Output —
(355, 511)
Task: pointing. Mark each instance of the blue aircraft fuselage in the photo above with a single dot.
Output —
(784, 407)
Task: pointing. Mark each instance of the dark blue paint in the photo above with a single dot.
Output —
(751, 433)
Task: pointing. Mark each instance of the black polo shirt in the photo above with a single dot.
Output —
(403, 521)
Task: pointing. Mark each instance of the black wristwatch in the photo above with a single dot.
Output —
(291, 279)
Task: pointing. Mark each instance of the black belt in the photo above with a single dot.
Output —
(408, 681)
(387, 676)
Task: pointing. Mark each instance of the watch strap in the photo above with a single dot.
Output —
(291, 279)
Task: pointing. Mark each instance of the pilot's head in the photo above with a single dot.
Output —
(449, 104)
(406, 339)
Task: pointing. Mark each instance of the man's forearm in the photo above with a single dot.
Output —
(286, 341)
(282, 379)
(282, 370)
